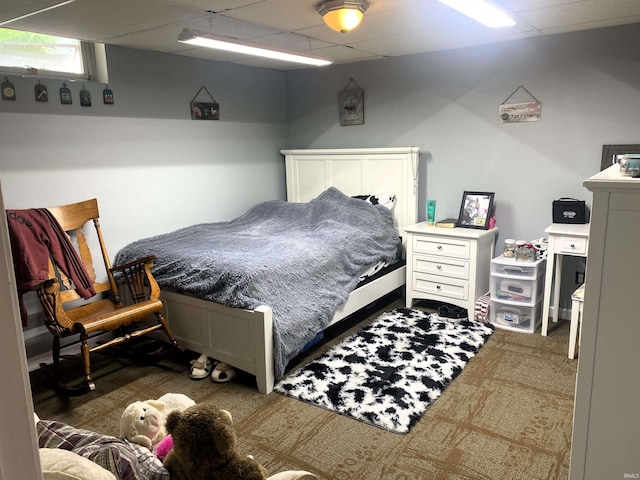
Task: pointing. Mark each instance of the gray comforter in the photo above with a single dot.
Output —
(301, 259)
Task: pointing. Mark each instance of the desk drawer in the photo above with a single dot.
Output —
(440, 286)
(568, 245)
(448, 267)
(445, 247)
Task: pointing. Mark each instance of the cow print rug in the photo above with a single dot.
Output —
(391, 371)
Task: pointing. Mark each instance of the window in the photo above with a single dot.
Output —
(41, 54)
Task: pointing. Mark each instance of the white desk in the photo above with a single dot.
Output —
(564, 239)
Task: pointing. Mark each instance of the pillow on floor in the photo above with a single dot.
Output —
(125, 460)
(58, 464)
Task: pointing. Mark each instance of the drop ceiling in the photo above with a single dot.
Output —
(389, 28)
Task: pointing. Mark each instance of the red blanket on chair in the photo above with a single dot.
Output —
(35, 237)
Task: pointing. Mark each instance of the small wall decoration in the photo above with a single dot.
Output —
(41, 93)
(475, 210)
(204, 110)
(107, 96)
(85, 97)
(65, 95)
(8, 90)
(520, 112)
(351, 103)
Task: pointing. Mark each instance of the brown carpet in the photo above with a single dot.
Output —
(507, 416)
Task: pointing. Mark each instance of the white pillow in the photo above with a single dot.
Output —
(384, 199)
(60, 464)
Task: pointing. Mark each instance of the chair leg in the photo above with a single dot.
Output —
(86, 351)
(56, 376)
(55, 352)
(167, 330)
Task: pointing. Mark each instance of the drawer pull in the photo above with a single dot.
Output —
(513, 270)
(438, 287)
(439, 247)
(573, 245)
(439, 267)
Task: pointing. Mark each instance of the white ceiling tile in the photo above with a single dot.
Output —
(389, 27)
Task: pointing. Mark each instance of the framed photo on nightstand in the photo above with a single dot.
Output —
(475, 210)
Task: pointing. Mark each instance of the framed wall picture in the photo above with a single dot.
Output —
(476, 210)
(351, 104)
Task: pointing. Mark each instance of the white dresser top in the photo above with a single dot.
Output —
(460, 232)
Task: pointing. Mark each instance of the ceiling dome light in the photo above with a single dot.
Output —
(342, 15)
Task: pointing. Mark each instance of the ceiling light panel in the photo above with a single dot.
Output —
(218, 42)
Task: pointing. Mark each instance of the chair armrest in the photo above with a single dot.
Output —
(136, 275)
(43, 285)
(55, 317)
(140, 261)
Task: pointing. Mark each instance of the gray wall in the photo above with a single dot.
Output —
(447, 104)
(151, 167)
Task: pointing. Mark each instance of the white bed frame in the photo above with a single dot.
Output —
(244, 338)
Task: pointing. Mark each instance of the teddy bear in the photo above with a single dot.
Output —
(142, 422)
(204, 447)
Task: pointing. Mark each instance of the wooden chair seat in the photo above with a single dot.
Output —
(104, 315)
(67, 314)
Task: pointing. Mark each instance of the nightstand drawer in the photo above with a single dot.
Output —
(440, 286)
(571, 245)
(448, 267)
(446, 247)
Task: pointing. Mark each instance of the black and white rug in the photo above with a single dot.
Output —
(391, 371)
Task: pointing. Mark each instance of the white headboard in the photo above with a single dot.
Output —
(357, 171)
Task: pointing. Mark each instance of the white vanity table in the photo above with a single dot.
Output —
(564, 239)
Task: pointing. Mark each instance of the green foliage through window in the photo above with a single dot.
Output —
(40, 52)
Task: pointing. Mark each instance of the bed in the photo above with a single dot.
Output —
(243, 337)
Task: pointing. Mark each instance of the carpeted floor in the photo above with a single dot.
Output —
(507, 415)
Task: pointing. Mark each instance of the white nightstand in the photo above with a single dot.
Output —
(450, 265)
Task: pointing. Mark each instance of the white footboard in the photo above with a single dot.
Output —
(241, 338)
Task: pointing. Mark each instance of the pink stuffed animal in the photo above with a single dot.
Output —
(163, 448)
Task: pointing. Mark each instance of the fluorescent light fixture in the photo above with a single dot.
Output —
(482, 11)
(210, 40)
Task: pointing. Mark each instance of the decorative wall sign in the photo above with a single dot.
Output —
(85, 97)
(351, 103)
(65, 95)
(107, 96)
(204, 110)
(8, 90)
(41, 93)
(519, 112)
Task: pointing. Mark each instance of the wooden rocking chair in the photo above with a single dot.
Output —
(106, 311)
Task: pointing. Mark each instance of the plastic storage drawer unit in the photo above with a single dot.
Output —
(516, 294)
(518, 318)
(509, 266)
(520, 290)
